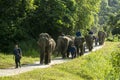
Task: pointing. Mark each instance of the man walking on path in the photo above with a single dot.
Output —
(18, 54)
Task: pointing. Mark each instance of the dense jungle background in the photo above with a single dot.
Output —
(22, 21)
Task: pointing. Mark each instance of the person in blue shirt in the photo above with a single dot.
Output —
(78, 33)
(90, 32)
(18, 54)
(72, 50)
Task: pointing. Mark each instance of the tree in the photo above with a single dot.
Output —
(12, 13)
(87, 13)
(53, 17)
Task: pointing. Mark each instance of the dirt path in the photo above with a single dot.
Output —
(29, 67)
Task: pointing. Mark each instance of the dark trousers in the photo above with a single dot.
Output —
(17, 62)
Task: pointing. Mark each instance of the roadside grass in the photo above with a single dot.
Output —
(95, 66)
(7, 60)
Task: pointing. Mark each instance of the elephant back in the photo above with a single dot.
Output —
(89, 40)
(63, 42)
(79, 40)
(71, 37)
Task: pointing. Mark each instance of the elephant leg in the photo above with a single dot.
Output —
(67, 54)
(78, 51)
(100, 41)
(49, 57)
(95, 42)
(82, 50)
(72, 54)
(103, 40)
(41, 58)
(75, 54)
(46, 58)
(63, 55)
(90, 48)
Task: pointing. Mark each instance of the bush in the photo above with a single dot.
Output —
(115, 61)
(30, 48)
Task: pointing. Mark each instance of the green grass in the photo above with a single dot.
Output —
(7, 61)
(96, 66)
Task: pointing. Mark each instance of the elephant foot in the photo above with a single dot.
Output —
(63, 57)
(41, 63)
(46, 63)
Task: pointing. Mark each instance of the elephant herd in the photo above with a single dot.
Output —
(47, 45)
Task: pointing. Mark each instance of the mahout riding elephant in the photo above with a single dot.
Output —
(89, 41)
(101, 37)
(62, 45)
(47, 46)
(79, 43)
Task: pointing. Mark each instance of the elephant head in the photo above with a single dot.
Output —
(62, 45)
(79, 43)
(89, 41)
(101, 37)
(47, 46)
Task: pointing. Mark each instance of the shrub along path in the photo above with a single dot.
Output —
(29, 67)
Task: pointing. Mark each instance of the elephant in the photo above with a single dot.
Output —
(95, 40)
(79, 43)
(89, 41)
(47, 45)
(101, 37)
(63, 42)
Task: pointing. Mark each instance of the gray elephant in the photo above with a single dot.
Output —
(62, 45)
(89, 41)
(101, 37)
(95, 40)
(79, 43)
(47, 46)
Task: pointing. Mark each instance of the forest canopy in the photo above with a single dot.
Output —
(22, 20)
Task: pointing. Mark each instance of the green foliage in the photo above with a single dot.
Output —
(53, 17)
(108, 7)
(12, 13)
(30, 48)
(116, 64)
(87, 9)
(108, 15)
(115, 31)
